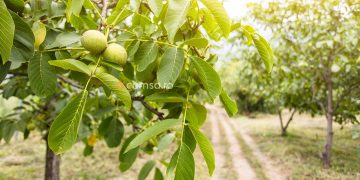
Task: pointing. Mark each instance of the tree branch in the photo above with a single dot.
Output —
(290, 119)
(147, 106)
(104, 8)
(71, 82)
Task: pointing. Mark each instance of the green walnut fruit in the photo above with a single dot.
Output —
(99, 69)
(94, 41)
(31, 126)
(115, 53)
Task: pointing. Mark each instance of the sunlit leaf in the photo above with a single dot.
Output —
(156, 6)
(229, 104)
(220, 15)
(264, 50)
(39, 30)
(175, 16)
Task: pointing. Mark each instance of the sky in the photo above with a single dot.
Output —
(237, 8)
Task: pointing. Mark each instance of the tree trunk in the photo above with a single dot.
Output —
(326, 154)
(52, 166)
(284, 128)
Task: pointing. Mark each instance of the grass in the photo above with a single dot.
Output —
(299, 153)
(24, 159)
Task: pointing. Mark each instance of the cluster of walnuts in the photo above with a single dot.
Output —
(96, 42)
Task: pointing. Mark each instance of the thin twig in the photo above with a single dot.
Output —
(71, 82)
(104, 8)
(147, 106)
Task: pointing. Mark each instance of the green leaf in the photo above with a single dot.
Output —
(132, 48)
(64, 39)
(74, 8)
(211, 27)
(170, 66)
(158, 175)
(63, 131)
(83, 22)
(206, 149)
(15, 5)
(165, 97)
(183, 163)
(208, 77)
(118, 15)
(229, 104)
(41, 75)
(7, 29)
(39, 30)
(189, 139)
(220, 15)
(196, 115)
(145, 55)
(146, 169)
(152, 131)
(23, 44)
(117, 87)
(71, 64)
(135, 4)
(264, 50)
(156, 6)
(40, 8)
(112, 130)
(197, 42)
(175, 16)
(165, 141)
(248, 32)
(7, 130)
(4, 69)
(127, 159)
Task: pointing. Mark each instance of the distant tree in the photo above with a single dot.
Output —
(318, 42)
(86, 70)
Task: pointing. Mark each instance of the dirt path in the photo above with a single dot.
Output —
(240, 164)
(219, 151)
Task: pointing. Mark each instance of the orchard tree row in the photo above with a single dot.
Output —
(317, 66)
(74, 65)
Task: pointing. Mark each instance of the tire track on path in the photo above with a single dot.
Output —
(271, 171)
(240, 164)
(219, 152)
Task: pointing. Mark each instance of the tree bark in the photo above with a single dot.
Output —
(284, 128)
(283, 131)
(52, 166)
(326, 154)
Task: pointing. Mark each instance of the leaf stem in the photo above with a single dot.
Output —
(148, 40)
(92, 73)
(186, 107)
(98, 13)
(62, 49)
